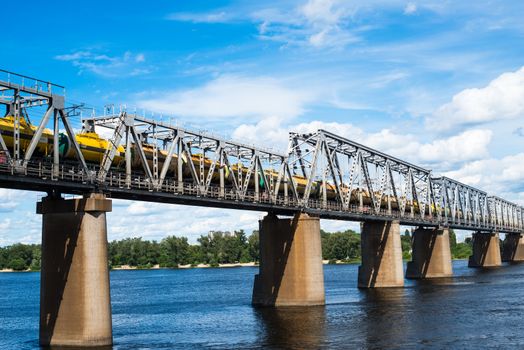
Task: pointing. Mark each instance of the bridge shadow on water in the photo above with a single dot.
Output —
(107, 347)
(292, 327)
(382, 311)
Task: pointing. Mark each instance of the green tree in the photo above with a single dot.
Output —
(462, 251)
(37, 259)
(452, 239)
(134, 252)
(406, 242)
(195, 254)
(20, 256)
(3, 258)
(17, 264)
(254, 246)
(174, 251)
(340, 245)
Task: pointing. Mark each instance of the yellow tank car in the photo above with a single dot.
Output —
(7, 125)
(92, 146)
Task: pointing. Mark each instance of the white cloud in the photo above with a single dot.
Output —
(140, 58)
(471, 144)
(206, 17)
(439, 153)
(188, 221)
(337, 23)
(503, 177)
(24, 227)
(5, 224)
(502, 98)
(11, 199)
(231, 96)
(322, 12)
(519, 131)
(107, 66)
(317, 23)
(410, 8)
(157, 220)
(74, 56)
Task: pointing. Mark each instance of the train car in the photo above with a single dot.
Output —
(93, 148)
(7, 126)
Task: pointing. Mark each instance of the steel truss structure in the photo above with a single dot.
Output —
(355, 173)
(322, 174)
(235, 164)
(19, 93)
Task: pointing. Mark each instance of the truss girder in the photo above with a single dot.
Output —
(321, 170)
(207, 158)
(19, 94)
(459, 203)
(359, 174)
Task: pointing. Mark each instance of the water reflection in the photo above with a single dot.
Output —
(293, 327)
(166, 309)
(383, 317)
(54, 347)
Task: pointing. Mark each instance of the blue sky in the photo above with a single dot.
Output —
(439, 83)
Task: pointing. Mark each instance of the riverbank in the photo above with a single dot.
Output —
(203, 266)
(188, 266)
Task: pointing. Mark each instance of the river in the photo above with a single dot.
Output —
(210, 308)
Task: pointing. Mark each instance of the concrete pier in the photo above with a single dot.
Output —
(486, 250)
(75, 308)
(291, 271)
(513, 248)
(381, 255)
(431, 254)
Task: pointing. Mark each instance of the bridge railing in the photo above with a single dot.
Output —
(43, 170)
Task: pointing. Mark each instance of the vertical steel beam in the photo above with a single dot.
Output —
(211, 170)
(334, 170)
(167, 161)
(307, 191)
(192, 169)
(4, 148)
(155, 156)
(114, 142)
(76, 147)
(231, 173)
(16, 127)
(180, 160)
(128, 158)
(56, 153)
(37, 135)
(221, 175)
(140, 151)
(257, 190)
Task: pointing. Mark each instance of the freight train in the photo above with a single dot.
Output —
(93, 148)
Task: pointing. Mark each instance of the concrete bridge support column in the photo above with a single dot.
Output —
(513, 249)
(431, 254)
(291, 271)
(75, 308)
(381, 255)
(486, 250)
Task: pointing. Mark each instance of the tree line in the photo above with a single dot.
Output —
(212, 249)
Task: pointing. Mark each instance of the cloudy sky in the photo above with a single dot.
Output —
(439, 83)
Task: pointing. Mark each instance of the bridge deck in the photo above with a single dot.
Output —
(38, 176)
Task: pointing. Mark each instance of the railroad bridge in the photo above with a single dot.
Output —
(322, 175)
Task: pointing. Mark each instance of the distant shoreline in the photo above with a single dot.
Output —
(200, 266)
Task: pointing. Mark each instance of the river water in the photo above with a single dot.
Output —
(210, 308)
